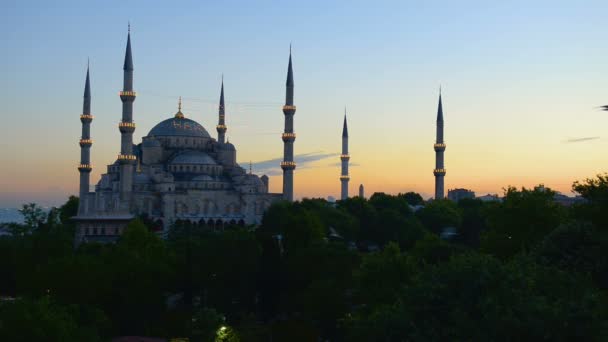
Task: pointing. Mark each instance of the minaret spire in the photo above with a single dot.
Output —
(85, 146)
(126, 158)
(439, 147)
(344, 157)
(288, 164)
(221, 124)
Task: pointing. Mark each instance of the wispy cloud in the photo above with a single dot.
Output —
(271, 167)
(575, 140)
(338, 164)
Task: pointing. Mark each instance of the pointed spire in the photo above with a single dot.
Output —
(222, 99)
(440, 108)
(128, 56)
(289, 82)
(179, 114)
(86, 108)
(345, 126)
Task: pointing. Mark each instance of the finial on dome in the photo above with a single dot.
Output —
(179, 113)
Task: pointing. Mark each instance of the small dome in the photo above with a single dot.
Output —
(193, 157)
(226, 147)
(179, 126)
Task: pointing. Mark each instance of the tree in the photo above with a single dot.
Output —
(440, 214)
(521, 220)
(298, 226)
(475, 297)
(576, 247)
(473, 212)
(44, 320)
(33, 215)
(432, 250)
(595, 192)
(412, 198)
(68, 210)
(382, 201)
(382, 275)
(206, 322)
(140, 272)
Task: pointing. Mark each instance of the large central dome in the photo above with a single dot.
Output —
(179, 126)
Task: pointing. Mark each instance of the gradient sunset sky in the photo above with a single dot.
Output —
(521, 83)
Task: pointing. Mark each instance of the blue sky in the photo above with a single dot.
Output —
(520, 79)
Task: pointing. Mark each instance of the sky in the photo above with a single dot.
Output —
(521, 83)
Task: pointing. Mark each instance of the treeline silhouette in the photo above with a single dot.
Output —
(383, 269)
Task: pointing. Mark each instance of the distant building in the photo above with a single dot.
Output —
(361, 191)
(567, 200)
(489, 198)
(459, 194)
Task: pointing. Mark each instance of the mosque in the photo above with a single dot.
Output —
(180, 173)
(177, 172)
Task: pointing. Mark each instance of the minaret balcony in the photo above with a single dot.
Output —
(221, 128)
(288, 165)
(86, 118)
(85, 142)
(289, 109)
(344, 157)
(439, 147)
(344, 177)
(288, 137)
(439, 172)
(126, 127)
(127, 158)
(127, 95)
(85, 167)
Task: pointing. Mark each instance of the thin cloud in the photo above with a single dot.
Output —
(575, 140)
(338, 164)
(271, 167)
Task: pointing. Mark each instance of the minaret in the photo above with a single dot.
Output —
(361, 191)
(126, 158)
(221, 125)
(288, 164)
(344, 157)
(85, 147)
(439, 146)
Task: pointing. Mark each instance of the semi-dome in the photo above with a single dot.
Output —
(226, 147)
(179, 126)
(193, 157)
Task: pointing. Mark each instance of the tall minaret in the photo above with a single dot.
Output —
(361, 191)
(127, 127)
(85, 147)
(221, 125)
(344, 157)
(288, 164)
(439, 149)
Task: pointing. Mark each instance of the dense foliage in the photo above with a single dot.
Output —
(383, 269)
